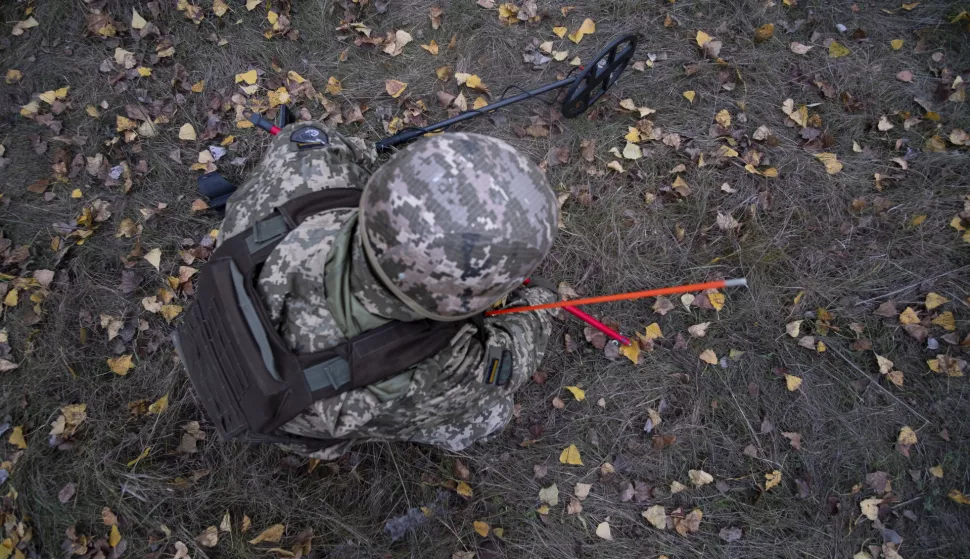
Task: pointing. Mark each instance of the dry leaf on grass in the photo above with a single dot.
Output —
(657, 516)
(270, 535)
(699, 478)
(570, 455)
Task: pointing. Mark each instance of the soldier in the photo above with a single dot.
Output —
(450, 226)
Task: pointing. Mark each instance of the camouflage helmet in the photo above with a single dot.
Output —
(454, 222)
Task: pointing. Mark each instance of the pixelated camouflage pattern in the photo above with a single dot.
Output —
(287, 172)
(442, 401)
(447, 403)
(456, 221)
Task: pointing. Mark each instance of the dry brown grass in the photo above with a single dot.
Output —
(806, 239)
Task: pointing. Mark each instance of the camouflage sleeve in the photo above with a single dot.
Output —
(287, 172)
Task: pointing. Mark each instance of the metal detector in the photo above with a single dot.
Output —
(584, 89)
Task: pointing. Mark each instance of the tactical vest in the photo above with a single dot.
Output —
(248, 380)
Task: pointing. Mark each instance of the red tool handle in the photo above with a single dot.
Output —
(261, 122)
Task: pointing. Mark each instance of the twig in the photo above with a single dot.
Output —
(904, 503)
(910, 286)
(828, 343)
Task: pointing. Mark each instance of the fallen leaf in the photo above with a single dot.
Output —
(587, 27)
(885, 365)
(464, 490)
(560, 31)
(688, 524)
(577, 393)
(792, 382)
(896, 44)
(581, 491)
(793, 328)
(831, 162)
(16, 437)
(946, 321)
(114, 538)
(187, 133)
(699, 478)
(271, 534)
(144, 454)
(717, 300)
(570, 455)
(249, 77)
(67, 493)
(13, 76)
(481, 528)
(394, 88)
(908, 316)
(631, 351)
(799, 48)
(603, 528)
(431, 47)
(154, 257)
(836, 50)
(549, 495)
(657, 516)
(794, 439)
(159, 405)
(958, 496)
(764, 33)
(170, 312)
(209, 537)
(772, 479)
(730, 534)
(870, 508)
(121, 365)
(708, 356)
(676, 487)
(884, 125)
(934, 300)
(632, 151)
(690, 95)
(906, 436)
(137, 22)
(905, 76)
(937, 471)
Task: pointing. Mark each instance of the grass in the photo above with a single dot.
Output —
(799, 234)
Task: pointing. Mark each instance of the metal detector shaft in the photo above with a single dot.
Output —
(410, 134)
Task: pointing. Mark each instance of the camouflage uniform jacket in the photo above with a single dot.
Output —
(319, 292)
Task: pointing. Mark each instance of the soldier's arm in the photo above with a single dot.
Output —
(527, 333)
(288, 170)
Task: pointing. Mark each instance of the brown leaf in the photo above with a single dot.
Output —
(67, 492)
(662, 306)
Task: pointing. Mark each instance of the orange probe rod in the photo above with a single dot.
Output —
(626, 296)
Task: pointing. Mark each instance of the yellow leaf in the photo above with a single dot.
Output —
(896, 44)
(543, 510)
(615, 165)
(154, 257)
(577, 393)
(958, 496)
(115, 536)
(17, 437)
(559, 31)
(631, 352)
(272, 17)
(946, 321)
(870, 508)
(772, 479)
(271, 534)
(120, 365)
(159, 405)
(76, 193)
(837, 51)
(585, 29)
(394, 88)
(12, 298)
(906, 435)
(481, 528)
(633, 135)
(717, 300)
(144, 454)
(831, 162)
(278, 97)
(219, 7)
(702, 38)
(910, 6)
(708, 356)
(793, 328)
(723, 118)
(653, 332)
(937, 471)
(764, 33)
(918, 220)
(464, 489)
(908, 316)
(479, 103)
(170, 312)
(657, 516)
(431, 47)
(143, 71)
(252, 4)
(249, 77)
(187, 133)
(333, 86)
(443, 73)
(570, 455)
(13, 76)
(690, 95)
(792, 382)
(934, 300)
(498, 532)
(137, 22)
(198, 87)
(820, 347)
(632, 151)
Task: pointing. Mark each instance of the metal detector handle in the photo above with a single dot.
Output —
(401, 137)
